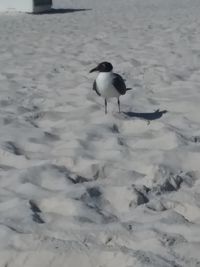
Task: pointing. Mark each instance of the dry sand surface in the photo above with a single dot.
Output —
(81, 188)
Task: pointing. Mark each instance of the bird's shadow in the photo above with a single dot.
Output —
(146, 116)
(62, 11)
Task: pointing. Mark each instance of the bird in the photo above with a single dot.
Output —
(108, 84)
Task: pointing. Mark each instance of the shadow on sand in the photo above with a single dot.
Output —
(62, 11)
(146, 116)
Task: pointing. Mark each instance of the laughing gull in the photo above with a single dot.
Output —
(108, 84)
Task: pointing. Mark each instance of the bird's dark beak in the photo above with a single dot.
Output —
(95, 69)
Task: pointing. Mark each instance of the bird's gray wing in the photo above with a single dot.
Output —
(95, 88)
(119, 84)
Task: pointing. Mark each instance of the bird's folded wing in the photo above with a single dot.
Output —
(119, 84)
(95, 88)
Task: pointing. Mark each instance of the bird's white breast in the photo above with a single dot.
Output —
(105, 86)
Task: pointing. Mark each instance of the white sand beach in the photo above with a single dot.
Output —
(81, 188)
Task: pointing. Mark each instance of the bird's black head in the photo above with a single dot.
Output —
(103, 67)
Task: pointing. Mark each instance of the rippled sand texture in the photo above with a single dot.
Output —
(78, 188)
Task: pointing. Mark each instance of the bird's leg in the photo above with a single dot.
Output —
(105, 106)
(118, 101)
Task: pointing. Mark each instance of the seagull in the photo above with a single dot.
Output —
(108, 84)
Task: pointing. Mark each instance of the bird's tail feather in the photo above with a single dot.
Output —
(127, 89)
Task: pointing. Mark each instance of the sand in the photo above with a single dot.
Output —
(78, 187)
